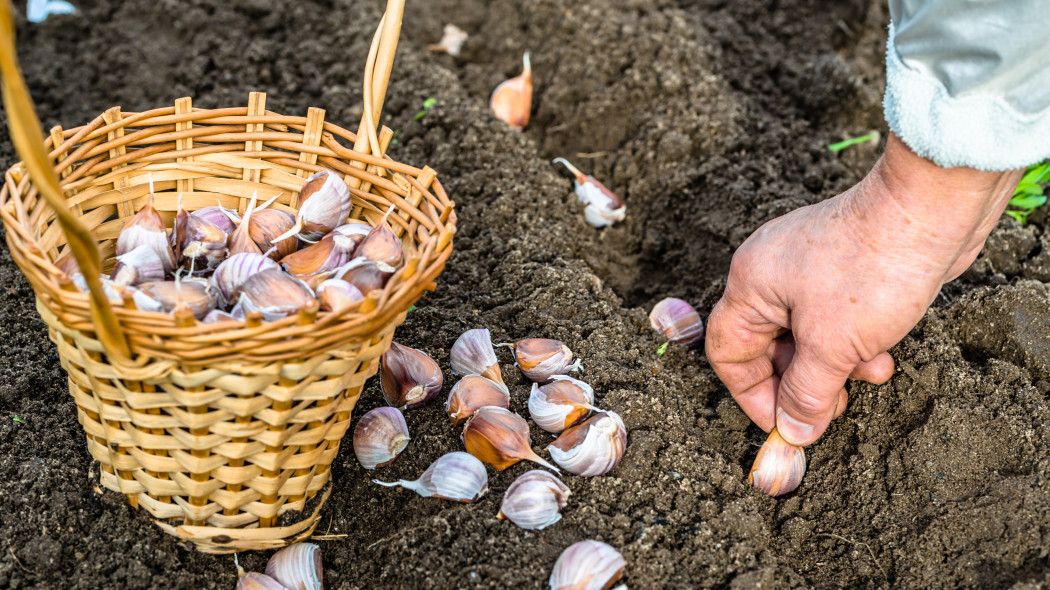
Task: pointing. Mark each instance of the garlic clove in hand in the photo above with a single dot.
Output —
(534, 501)
(678, 321)
(380, 436)
(297, 567)
(592, 448)
(471, 393)
(779, 466)
(500, 438)
(512, 99)
(560, 403)
(540, 358)
(409, 377)
(603, 206)
(587, 565)
(472, 354)
(456, 476)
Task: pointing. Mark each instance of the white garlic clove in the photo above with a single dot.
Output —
(410, 378)
(297, 567)
(561, 403)
(534, 501)
(471, 393)
(193, 294)
(235, 270)
(147, 228)
(678, 321)
(141, 265)
(472, 354)
(266, 225)
(257, 581)
(603, 206)
(332, 252)
(274, 293)
(779, 466)
(379, 437)
(324, 203)
(456, 476)
(541, 358)
(512, 100)
(217, 216)
(593, 447)
(240, 241)
(381, 245)
(337, 294)
(587, 565)
(366, 275)
(199, 244)
(500, 438)
(216, 316)
(451, 41)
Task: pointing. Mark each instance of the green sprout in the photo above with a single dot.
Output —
(663, 348)
(426, 107)
(1029, 194)
(19, 420)
(412, 308)
(838, 147)
(395, 136)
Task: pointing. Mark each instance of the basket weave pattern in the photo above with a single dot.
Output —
(225, 432)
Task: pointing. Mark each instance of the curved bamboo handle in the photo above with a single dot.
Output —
(377, 75)
(29, 143)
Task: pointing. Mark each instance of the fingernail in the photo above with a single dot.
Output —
(791, 429)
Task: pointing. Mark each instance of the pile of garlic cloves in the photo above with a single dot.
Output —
(220, 266)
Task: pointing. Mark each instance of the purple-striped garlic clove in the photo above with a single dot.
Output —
(337, 294)
(472, 354)
(561, 403)
(678, 321)
(366, 275)
(541, 358)
(192, 294)
(235, 270)
(779, 466)
(324, 203)
(199, 244)
(587, 565)
(603, 206)
(410, 378)
(456, 476)
(141, 265)
(274, 293)
(257, 581)
(332, 252)
(471, 393)
(500, 438)
(266, 225)
(593, 447)
(297, 567)
(219, 217)
(381, 245)
(380, 436)
(147, 228)
(512, 100)
(534, 501)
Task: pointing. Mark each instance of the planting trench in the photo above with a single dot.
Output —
(709, 118)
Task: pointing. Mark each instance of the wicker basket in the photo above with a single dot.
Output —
(225, 432)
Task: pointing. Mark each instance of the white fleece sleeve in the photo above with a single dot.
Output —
(968, 81)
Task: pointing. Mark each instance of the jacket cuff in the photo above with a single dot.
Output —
(981, 131)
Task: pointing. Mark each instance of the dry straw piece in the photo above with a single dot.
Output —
(224, 432)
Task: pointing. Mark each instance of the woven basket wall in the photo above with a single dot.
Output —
(224, 432)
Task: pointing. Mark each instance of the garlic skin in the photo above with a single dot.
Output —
(473, 392)
(472, 354)
(379, 437)
(235, 270)
(500, 438)
(193, 294)
(381, 245)
(603, 206)
(560, 403)
(534, 501)
(541, 358)
(266, 225)
(451, 41)
(141, 265)
(678, 321)
(410, 378)
(147, 228)
(587, 565)
(274, 293)
(324, 203)
(512, 100)
(456, 476)
(337, 294)
(332, 252)
(297, 567)
(592, 448)
(779, 466)
(256, 581)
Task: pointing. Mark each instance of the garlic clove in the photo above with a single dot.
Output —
(193, 294)
(326, 255)
(587, 565)
(147, 228)
(410, 378)
(451, 41)
(217, 216)
(337, 294)
(592, 448)
(779, 466)
(199, 244)
(324, 203)
(512, 99)
(603, 206)
(366, 275)
(473, 392)
(257, 581)
(240, 241)
(500, 438)
(354, 230)
(235, 270)
(560, 403)
(297, 567)
(216, 316)
(534, 501)
(264, 228)
(381, 245)
(138, 266)
(677, 320)
(541, 358)
(274, 293)
(379, 437)
(472, 354)
(456, 476)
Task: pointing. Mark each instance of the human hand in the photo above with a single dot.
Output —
(822, 293)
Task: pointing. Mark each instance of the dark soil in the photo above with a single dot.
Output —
(709, 118)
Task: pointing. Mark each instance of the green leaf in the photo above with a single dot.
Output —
(19, 420)
(427, 104)
(412, 308)
(1019, 217)
(663, 348)
(1029, 189)
(1028, 201)
(838, 147)
(1036, 173)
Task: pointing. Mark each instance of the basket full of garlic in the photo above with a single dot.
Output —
(216, 399)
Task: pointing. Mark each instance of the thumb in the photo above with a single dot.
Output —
(809, 391)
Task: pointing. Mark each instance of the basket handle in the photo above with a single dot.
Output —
(28, 139)
(377, 75)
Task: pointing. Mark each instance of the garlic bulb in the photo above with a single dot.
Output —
(603, 206)
(297, 567)
(328, 254)
(274, 293)
(593, 447)
(409, 377)
(587, 565)
(366, 275)
(266, 225)
(451, 41)
(512, 99)
(500, 438)
(472, 354)
(534, 501)
(147, 228)
(779, 466)
(324, 203)
(381, 245)
(193, 294)
(379, 437)
(677, 320)
(541, 358)
(560, 403)
(256, 581)
(456, 476)
(141, 265)
(473, 392)
(336, 294)
(232, 272)
(199, 244)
